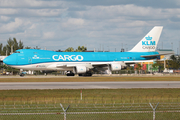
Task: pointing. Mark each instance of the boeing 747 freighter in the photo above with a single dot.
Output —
(83, 63)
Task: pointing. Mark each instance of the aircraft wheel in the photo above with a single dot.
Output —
(70, 74)
(89, 74)
(21, 74)
(85, 74)
(80, 74)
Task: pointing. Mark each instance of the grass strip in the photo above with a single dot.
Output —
(90, 79)
(90, 96)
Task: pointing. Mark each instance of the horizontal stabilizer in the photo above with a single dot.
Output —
(139, 61)
(146, 56)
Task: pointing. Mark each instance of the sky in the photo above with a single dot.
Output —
(95, 24)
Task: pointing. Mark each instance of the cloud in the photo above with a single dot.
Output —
(119, 11)
(152, 3)
(31, 12)
(69, 23)
(4, 18)
(48, 35)
(44, 12)
(15, 26)
(72, 24)
(8, 11)
(31, 4)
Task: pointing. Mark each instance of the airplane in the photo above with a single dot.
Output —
(83, 63)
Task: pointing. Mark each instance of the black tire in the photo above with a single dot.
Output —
(70, 74)
(22, 75)
(90, 74)
(80, 74)
(85, 74)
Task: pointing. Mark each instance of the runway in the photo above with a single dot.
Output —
(88, 85)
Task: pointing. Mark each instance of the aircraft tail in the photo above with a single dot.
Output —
(149, 42)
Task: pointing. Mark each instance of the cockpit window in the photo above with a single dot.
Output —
(17, 52)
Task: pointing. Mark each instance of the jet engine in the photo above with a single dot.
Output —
(81, 69)
(115, 66)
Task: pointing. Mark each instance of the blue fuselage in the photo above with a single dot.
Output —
(31, 56)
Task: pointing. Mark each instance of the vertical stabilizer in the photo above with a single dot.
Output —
(149, 42)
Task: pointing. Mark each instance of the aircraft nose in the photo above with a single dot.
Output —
(9, 61)
(6, 61)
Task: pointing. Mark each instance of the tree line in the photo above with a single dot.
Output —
(79, 49)
(13, 45)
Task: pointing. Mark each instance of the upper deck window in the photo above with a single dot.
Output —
(17, 52)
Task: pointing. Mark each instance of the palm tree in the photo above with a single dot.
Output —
(139, 67)
(69, 49)
(81, 49)
(174, 63)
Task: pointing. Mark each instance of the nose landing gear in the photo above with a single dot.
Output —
(21, 74)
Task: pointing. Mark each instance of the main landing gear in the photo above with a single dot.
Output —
(86, 74)
(70, 73)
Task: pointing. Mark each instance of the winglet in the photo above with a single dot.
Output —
(149, 42)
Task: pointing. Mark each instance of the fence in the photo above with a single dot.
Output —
(91, 108)
(138, 111)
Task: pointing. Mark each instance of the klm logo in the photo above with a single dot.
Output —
(148, 38)
(35, 57)
(148, 43)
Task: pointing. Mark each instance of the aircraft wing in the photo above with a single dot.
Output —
(88, 65)
(115, 65)
(109, 63)
(138, 61)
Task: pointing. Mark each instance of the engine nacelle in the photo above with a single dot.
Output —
(81, 69)
(115, 67)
